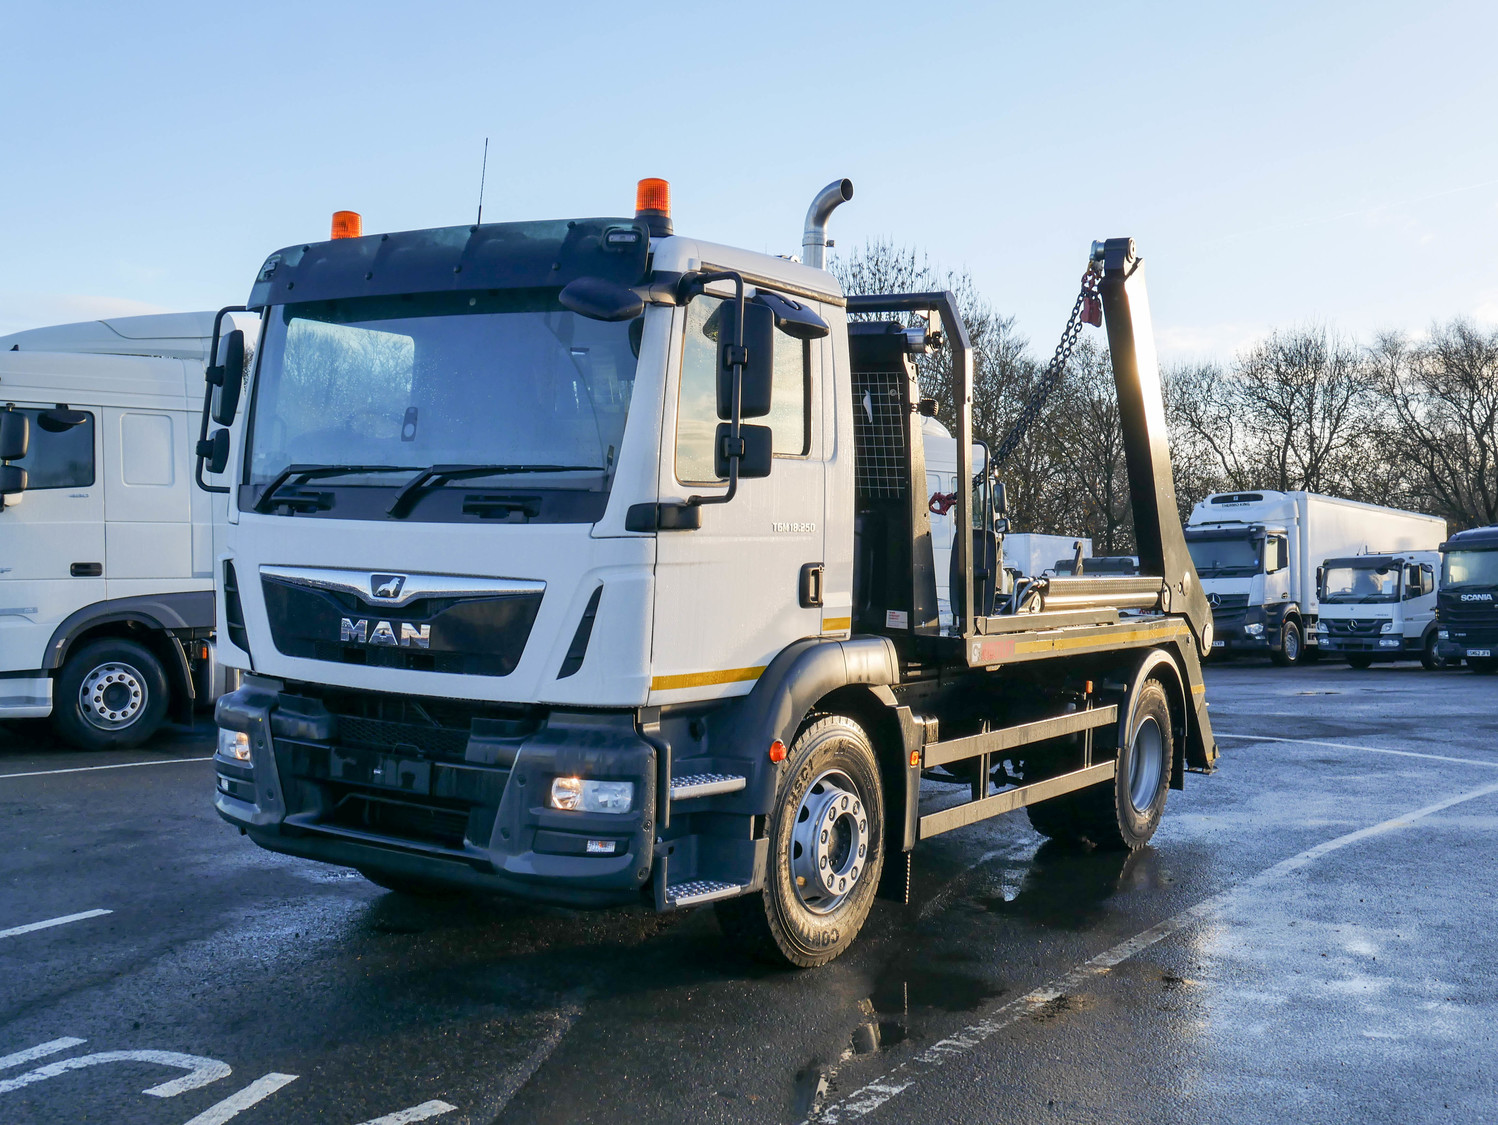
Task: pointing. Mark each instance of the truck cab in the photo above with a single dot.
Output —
(1467, 604)
(106, 549)
(1240, 543)
(1378, 608)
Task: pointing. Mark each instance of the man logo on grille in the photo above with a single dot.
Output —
(386, 585)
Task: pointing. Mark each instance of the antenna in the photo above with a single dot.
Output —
(482, 171)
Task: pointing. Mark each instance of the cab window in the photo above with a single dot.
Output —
(58, 457)
(697, 411)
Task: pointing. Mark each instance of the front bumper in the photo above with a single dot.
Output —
(1375, 646)
(472, 813)
(1476, 642)
(1233, 630)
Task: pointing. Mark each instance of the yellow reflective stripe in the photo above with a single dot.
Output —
(704, 679)
(836, 624)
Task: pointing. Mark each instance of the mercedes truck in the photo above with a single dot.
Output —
(1258, 553)
(1380, 608)
(591, 562)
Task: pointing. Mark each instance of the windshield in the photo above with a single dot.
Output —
(1470, 568)
(1360, 584)
(1224, 556)
(443, 379)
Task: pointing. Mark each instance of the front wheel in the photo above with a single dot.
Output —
(1291, 644)
(110, 695)
(826, 852)
(1430, 657)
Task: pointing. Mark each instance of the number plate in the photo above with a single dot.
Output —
(1479, 652)
(1219, 644)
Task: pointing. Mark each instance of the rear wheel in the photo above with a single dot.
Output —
(1291, 644)
(1125, 812)
(1359, 661)
(111, 694)
(826, 852)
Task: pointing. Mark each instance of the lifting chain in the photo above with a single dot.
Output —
(1087, 310)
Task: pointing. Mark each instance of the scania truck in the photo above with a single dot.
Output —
(1467, 604)
(1258, 552)
(1378, 608)
(591, 562)
(106, 549)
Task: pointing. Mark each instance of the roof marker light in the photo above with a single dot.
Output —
(653, 205)
(347, 224)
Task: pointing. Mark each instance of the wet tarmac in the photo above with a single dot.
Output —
(1309, 938)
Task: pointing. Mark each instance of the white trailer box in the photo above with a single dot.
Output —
(106, 558)
(1257, 554)
(1034, 554)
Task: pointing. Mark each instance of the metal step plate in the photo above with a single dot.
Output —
(705, 785)
(699, 891)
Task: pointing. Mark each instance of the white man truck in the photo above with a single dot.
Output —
(106, 549)
(590, 562)
(1467, 604)
(1378, 608)
(1258, 554)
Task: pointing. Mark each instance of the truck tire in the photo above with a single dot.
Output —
(1291, 646)
(1430, 658)
(1359, 661)
(1121, 814)
(405, 885)
(110, 694)
(826, 852)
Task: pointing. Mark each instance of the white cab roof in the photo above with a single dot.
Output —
(170, 335)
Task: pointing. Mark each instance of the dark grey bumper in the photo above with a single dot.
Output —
(479, 820)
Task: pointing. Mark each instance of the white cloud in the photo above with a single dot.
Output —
(19, 311)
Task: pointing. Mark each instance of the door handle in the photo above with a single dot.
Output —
(86, 570)
(809, 588)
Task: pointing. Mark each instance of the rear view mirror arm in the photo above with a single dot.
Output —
(736, 359)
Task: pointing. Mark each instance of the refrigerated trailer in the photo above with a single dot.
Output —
(1258, 552)
(590, 562)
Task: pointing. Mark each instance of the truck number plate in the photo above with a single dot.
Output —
(1479, 652)
(1219, 644)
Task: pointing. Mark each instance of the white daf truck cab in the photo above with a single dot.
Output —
(1257, 554)
(1379, 608)
(590, 562)
(106, 549)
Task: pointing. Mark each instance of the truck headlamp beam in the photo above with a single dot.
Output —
(574, 794)
(233, 745)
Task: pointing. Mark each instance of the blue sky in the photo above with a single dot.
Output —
(1279, 163)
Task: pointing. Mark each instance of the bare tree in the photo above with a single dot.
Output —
(1442, 396)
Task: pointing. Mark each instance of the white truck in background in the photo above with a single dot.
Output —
(1380, 608)
(1257, 554)
(106, 548)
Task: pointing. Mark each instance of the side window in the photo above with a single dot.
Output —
(697, 409)
(60, 459)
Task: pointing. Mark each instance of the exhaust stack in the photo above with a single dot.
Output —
(814, 238)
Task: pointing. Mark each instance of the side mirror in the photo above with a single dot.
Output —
(756, 444)
(759, 360)
(1000, 499)
(12, 481)
(1321, 579)
(793, 318)
(60, 419)
(214, 449)
(15, 434)
(599, 299)
(228, 378)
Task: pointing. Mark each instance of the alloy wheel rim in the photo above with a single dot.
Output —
(1146, 765)
(112, 696)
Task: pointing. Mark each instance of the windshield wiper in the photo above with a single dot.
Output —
(310, 472)
(406, 498)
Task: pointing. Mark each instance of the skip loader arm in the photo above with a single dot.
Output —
(1157, 525)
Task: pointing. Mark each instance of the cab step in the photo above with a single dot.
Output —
(699, 891)
(706, 785)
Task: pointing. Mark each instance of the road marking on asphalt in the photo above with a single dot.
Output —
(415, 1113)
(116, 766)
(40, 1051)
(870, 1097)
(50, 922)
(1365, 749)
(256, 1092)
(515, 1080)
(200, 1070)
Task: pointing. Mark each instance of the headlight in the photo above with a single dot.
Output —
(1254, 630)
(1442, 635)
(233, 745)
(1386, 627)
(573, 794)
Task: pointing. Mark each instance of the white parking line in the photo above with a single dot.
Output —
(873, 1095)
(415, 1113)
(117, 766)
(63, 921)
(256, 1092)
(1365, 749)
(40, 1051)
